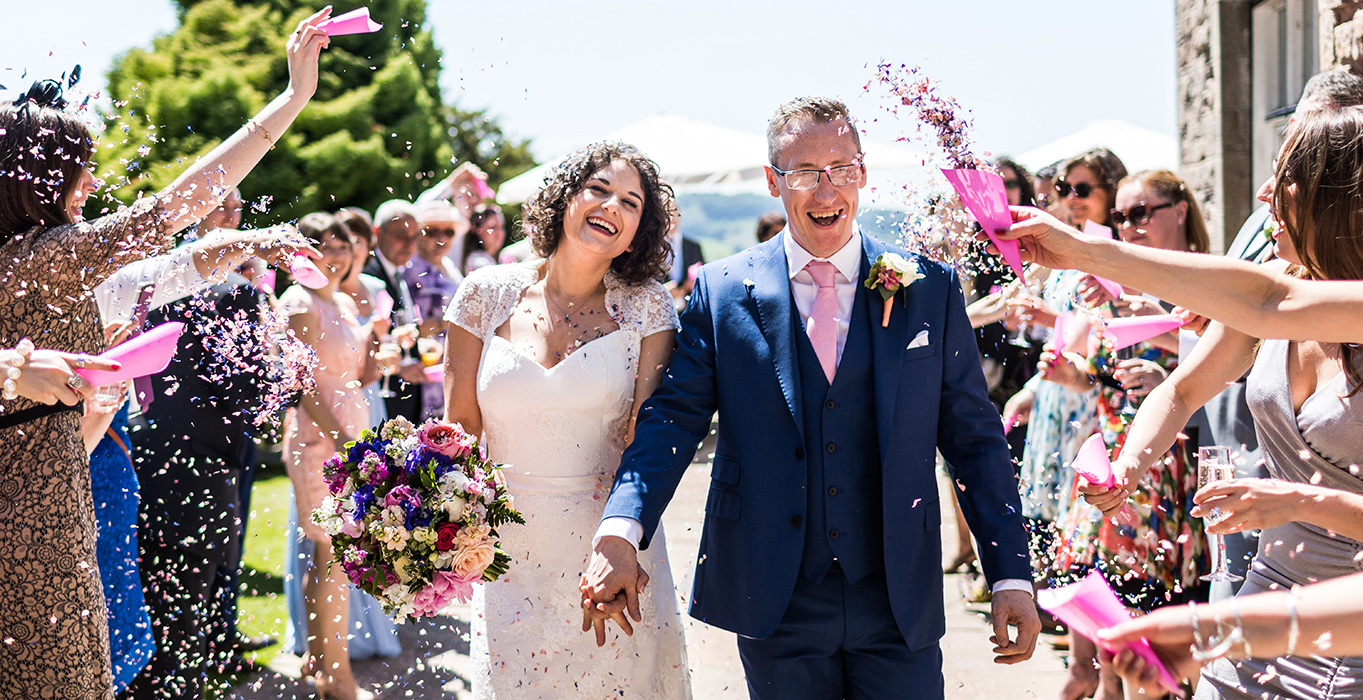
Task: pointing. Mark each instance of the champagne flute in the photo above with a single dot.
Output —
(1214, 464)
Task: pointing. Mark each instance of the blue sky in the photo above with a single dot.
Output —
(564, 73)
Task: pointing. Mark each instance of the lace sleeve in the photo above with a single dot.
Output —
(655, 309)
(474, 302)
(91, 250)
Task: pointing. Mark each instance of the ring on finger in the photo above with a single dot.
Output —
(74, 382)
(81, 360)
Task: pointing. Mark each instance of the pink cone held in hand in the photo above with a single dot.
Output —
(143, 355)
(1093, 464)
(986, 198)
(1125, 332)
(1071, 330)
(354, 22)
(436, 374)
(482, 189)
(1089, 606)
(306, 272)
(1102, 231)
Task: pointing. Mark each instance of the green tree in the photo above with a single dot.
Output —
(376, 129)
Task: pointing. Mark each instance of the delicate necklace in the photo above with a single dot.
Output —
(576, 307)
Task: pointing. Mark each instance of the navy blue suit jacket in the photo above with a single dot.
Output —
(736, 355)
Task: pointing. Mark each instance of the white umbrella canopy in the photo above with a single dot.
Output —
(698, 157)
(1138, 147)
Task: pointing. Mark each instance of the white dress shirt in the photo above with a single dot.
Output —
(847, 261)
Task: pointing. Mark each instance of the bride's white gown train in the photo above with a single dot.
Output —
(561, 431)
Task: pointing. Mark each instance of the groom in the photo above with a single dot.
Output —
(821, 546)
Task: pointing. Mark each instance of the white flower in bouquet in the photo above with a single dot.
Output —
(397, 429)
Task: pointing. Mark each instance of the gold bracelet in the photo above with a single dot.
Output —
(252, 126)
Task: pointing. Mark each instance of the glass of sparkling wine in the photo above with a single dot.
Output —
(1214, 464)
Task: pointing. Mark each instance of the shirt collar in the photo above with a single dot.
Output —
(388, 268)
(847, 260)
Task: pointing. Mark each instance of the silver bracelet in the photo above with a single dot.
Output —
(1293, 631)
(1209, 648)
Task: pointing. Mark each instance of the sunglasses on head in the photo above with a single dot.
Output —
(1081, 190)
(1138, 215)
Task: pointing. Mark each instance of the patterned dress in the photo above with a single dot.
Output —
(1153, 550)
(53, 629)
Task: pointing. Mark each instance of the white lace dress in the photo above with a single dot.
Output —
(561, 431)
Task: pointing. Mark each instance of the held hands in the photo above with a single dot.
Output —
(1249, 504)
(1016, 608)
(611, 587)
(303, 49)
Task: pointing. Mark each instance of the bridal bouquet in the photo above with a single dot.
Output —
(413, 514)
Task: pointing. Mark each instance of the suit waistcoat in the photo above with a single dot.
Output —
(841, 442)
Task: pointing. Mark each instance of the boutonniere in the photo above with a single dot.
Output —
(890, 273)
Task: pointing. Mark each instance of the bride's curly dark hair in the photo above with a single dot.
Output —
(543, 213)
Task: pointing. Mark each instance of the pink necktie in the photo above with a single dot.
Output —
(822, 325)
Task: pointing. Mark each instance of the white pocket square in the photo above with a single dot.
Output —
(919, 341)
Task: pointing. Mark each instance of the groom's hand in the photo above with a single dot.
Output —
(611, 586)
(1015, 608)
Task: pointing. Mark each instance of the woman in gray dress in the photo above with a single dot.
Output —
(1301, 392)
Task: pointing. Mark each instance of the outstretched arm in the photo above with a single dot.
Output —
(201, 188)
(1244, 296)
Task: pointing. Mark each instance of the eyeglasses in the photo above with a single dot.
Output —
(838, 176)
(1138, 215)
(438, 232)
(1081, 190)
(1012, 185)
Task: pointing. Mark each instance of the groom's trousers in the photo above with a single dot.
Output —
(840, 640)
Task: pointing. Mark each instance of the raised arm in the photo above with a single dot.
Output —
(202, 188)
(1244, 296)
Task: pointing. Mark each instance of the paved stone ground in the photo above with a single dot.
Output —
(434, 664)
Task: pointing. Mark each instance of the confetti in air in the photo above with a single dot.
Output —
(935, 225)
(264, 346)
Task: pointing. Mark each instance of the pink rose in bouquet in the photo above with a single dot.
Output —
(403, 495)
(473, 560)
(447, 439)
(445, 588)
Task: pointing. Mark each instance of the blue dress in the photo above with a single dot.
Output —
(114, 486)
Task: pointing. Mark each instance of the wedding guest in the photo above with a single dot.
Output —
(372, 633)
(768, 225)
(483, 244)
(686, 255)
(1229, 421)
(395, 238)
(123, 300)
(433, 281)
(465, 187)
(1300, 392)
(1152, 552)
(1060, 416)
(325, 420)
(49, 586)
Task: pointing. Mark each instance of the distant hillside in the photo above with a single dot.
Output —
(726, 224)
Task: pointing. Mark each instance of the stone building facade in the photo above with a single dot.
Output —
(1241, 67)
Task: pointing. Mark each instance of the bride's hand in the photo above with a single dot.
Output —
(595, 614)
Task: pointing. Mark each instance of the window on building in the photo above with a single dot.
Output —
(1284, 58)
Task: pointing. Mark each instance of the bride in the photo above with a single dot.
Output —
(551, 359)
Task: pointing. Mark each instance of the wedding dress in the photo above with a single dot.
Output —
(560, 432)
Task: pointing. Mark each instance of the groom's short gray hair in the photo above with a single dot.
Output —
(802, 109)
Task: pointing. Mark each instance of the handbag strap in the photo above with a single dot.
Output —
(119, 441)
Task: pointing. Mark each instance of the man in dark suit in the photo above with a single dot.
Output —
(188, 445)
(686, 254)
(395, 238)
(822, 545)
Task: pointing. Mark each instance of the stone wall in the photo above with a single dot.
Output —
(1214, 110)
(1341, 34)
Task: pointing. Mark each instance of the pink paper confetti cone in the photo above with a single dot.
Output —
(1125, 332)
(306, 272)
(143, 355)
(354, 22)
(1092, 462)
(436, 374)
(1089, 606)
(985, 197)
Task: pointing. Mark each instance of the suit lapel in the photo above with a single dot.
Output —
(887, 343)
(770, 290)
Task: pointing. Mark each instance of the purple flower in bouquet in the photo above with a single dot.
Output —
(364, 498)
(372, 468)
(447, 439)
(404, 496)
